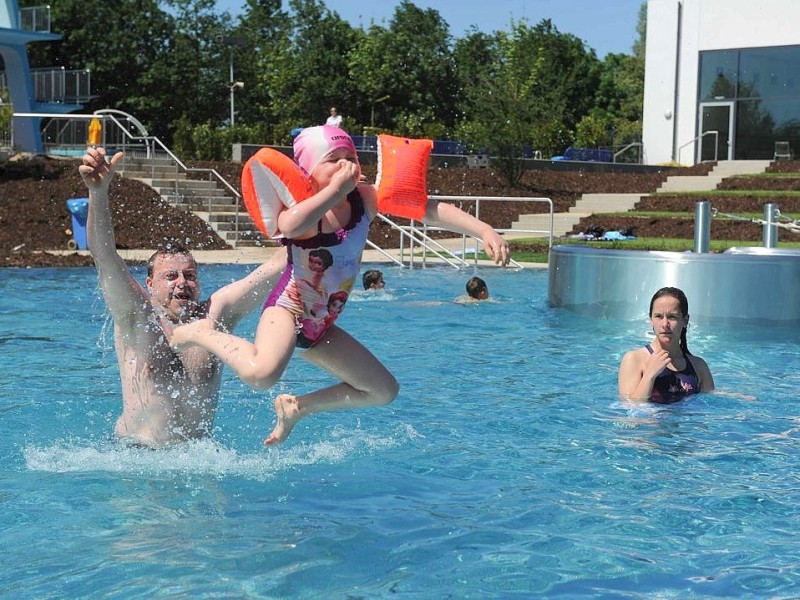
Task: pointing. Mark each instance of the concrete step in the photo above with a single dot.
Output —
(158, 172)
(689, 183)
(203, 204)
(729, 168)
(193, 184)
(598, 203)
(704, 183)
(539, 224)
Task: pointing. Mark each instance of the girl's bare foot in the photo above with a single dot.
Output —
(288, 416)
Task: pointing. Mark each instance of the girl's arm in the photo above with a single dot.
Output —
(445, 215)
(300, 220)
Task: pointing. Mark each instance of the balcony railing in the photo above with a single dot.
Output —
(58, 85)
(35, 18)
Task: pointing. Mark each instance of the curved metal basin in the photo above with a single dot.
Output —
(754, 286)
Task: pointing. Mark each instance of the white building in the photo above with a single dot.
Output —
(730, 66)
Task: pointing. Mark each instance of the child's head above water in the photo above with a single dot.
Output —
(477, 289)
(313, 144)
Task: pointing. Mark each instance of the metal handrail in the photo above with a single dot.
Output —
(705, 133)
(411, 235)
(626, 148)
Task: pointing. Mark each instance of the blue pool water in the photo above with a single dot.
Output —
(506, 468)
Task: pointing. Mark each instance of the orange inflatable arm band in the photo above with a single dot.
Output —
(271, 181)
(402, 180)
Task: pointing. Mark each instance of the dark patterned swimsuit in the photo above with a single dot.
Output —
(671, 386)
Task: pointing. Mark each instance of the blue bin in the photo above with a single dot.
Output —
(79, 207)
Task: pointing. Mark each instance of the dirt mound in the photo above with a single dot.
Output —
(34, 216)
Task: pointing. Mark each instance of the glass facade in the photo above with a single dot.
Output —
(764, 86)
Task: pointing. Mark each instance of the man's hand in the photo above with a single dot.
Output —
(96, 172)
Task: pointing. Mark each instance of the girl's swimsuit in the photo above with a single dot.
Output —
(316, 296)
(671, 386)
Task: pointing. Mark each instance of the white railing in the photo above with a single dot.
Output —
(59, 85)
(417, 245)
(700, 137)
(637, 145)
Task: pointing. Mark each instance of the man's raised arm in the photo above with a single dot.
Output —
(124, 296)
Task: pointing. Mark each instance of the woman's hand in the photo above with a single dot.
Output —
(655, 363)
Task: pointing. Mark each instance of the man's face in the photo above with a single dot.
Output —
(174, 285)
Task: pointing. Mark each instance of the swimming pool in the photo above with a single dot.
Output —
(505, 468)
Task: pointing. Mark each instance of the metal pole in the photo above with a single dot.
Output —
(769, 234)
(702, 226)
(232, 86)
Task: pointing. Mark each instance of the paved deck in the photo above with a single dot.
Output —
(248, 255)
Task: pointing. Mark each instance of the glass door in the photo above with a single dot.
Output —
(716, 116)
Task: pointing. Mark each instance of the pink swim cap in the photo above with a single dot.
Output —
(315, 143)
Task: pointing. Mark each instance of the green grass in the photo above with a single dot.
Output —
(772, 175)
(656, 214)
(728, 193)
(539, 253)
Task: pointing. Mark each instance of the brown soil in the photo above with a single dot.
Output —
(34, 216)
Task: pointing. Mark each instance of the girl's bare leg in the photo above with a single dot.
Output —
(259, 363)
(365, 382)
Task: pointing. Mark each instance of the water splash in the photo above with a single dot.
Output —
(207, 457)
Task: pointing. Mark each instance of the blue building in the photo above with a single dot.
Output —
(52, 91)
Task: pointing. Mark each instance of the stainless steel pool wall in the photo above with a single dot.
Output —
(755, 286)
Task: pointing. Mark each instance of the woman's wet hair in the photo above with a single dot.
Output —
(678, 294)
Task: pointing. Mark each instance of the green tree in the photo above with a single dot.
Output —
(528, 95)
(264, 29)
(190, 78)
(143, 60)
(620, 94)
(310, 73)
(411, 63)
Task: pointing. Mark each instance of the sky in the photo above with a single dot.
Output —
(604, 25)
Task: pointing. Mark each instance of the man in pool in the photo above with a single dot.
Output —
(167, 396)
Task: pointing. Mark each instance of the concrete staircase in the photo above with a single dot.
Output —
(703, 183)
(208, 199)
(590, 204)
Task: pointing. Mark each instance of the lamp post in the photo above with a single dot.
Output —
(233, 85)
(374, 102)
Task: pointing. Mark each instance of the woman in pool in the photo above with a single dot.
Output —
(336, 218)
(665, 371)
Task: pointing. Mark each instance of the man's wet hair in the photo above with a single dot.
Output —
(168, 248)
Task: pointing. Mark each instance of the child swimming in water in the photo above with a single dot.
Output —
(336, 218)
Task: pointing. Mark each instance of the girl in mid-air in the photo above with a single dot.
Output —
(336, 219)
